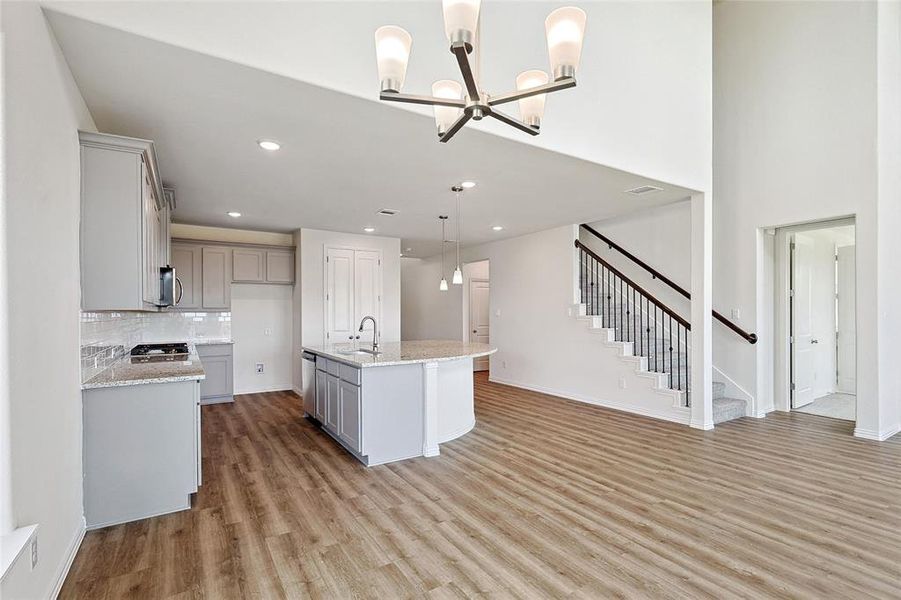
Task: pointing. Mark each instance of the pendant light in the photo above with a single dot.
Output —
(458, 274)
(443, 285)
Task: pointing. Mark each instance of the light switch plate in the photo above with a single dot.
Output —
(736, 314)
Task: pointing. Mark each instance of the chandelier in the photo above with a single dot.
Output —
(564, 27)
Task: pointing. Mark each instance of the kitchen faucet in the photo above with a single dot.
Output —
(375, 332)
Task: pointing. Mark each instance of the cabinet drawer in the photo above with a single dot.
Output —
(321, 363)
(332, 367)
(349, 374)
(205, 350)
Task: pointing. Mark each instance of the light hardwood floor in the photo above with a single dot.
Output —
(545, 498)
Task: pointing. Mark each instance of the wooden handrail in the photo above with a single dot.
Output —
(751, 338)
(663, 307)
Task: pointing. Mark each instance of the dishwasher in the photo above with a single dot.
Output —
(308, 374)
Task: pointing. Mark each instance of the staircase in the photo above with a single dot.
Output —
(626, 315)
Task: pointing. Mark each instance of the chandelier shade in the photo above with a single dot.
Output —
(531, 108)
(446, 115)
(565, 29)
(461, 19)
(392, 51)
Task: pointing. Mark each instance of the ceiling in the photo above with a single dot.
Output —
(342, 158)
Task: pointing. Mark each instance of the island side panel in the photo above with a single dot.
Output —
(456, 412)
(392, 413)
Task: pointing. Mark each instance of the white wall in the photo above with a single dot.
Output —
(261, 328)
(541, 345)
(43, 111)
(794, 141)
(312, 283)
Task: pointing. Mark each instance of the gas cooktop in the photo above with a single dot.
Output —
(159, 349)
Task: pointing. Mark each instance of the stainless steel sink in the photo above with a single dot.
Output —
(350, 352)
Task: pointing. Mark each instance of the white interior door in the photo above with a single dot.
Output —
(803, 347)
(478, 318)
(339, 299)
(367, 290)
(846, 332)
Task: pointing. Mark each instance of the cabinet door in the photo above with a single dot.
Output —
(332, 413)
(248, 265)
(321, 395)
(150, 240)
(216, 278)
(198, 451)
(219, 377)
(187, 262)
(279, 266)
(339, 295)
(367, 289)
(349, 423)
(165, 249)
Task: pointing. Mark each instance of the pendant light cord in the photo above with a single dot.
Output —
(458, 230)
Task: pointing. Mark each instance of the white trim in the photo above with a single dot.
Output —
(676, 414)
(878, 436)
(277, 387)
(74, 545)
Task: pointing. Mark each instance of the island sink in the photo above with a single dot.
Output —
(398, 403)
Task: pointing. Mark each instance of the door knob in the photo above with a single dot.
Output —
(814, 341)
(474, 331)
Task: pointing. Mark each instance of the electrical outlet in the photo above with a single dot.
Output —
(622, 382)
(259, 368)
(503, 364)
(267, 331)
(736, 314)
(34, 552)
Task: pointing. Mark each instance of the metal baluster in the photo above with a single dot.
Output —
(679, 356)
(670, 351)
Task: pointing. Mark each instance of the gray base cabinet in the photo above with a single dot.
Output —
(218, 364)
(141, 451)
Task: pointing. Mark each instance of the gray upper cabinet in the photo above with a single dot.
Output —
(249, 265)
(121, 223)
(279, 266)
(188, 269)
(216, 286)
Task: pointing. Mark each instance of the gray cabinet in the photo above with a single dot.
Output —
(248, 265)
(350, 424)
(216, 275)
(218, 365)
(321, 394)
(188, 269)
(141, 450)
(279, 266)
(121, 223)
(331, 403)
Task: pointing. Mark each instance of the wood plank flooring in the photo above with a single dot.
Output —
(545, 498)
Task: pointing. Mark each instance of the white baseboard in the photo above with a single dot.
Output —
(675, 414)
(278, 387)
(71, 551)
(878, 436)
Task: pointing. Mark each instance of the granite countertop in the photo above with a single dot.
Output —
(212, 341)
(402, 353)
(125, 372)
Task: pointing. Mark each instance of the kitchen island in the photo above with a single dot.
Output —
(398, 404)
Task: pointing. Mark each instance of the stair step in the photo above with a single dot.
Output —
(719, 390)
(726, 409)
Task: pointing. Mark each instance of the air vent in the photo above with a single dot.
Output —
(387, 212)
(644, 189)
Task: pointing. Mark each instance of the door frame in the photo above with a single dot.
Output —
(782, 313)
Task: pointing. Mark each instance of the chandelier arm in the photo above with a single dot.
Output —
(453, 129)
(555, 86)
(415, 99)
(513, 122)
(472, 86)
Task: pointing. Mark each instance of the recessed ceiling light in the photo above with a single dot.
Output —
(233, 213)
(270, 145)
(468, 184)
(369, 229)
(498, 227)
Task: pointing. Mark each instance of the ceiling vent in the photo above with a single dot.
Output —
(387, 212)
(644, 189)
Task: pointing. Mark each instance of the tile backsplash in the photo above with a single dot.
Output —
(107, 336)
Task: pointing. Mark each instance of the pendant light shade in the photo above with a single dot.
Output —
(446, 115)
(461, 19)
(565, 29)
(531, 109)
(443, 285)
(458, 277)
(392, 51)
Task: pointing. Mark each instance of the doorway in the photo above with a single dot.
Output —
(476, 308)
(822, 320)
